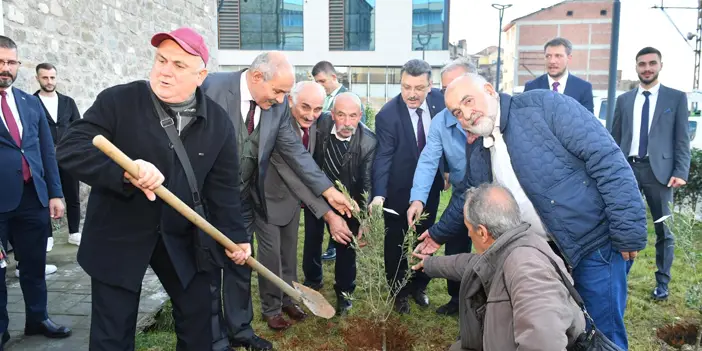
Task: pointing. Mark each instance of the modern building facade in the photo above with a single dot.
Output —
(586, 23)
(368, 41)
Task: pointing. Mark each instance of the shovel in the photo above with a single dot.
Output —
(314, 301)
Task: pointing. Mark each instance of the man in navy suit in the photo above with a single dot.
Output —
(651, 127)
(558, 52)
(401, 138)
(31, 194)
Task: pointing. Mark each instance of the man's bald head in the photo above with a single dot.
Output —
(474, 102)
(269, 78)
(490, 208)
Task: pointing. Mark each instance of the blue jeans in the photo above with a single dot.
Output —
(600, 278)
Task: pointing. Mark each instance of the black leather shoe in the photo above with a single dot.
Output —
(402, 305)
(329, 255)
(449, 309)
(660, 293)
(421, 298)
(314, 286)
(48, 328)
(254, 344)
(343, 305)
(5, 337)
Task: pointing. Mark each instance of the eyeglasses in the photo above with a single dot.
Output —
(11, 63)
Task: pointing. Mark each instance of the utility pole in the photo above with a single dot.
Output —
(500, 8)
(613, 56)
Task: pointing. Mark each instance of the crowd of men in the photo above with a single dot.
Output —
(535, 173)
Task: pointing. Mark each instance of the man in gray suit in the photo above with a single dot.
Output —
(277, 237)
(325, 74)
(651, 127)
(256, 104)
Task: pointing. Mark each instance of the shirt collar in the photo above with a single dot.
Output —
(333, 131)
(244, 88)
(654, 89)
(423, 106)
(336, 91)
(9, 93)
(561, 81)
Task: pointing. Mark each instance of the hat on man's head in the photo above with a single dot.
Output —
(188, 39)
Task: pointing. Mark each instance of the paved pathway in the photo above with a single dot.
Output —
(69, 303)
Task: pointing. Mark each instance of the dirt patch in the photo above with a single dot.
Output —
(361, 334)
(679, 334)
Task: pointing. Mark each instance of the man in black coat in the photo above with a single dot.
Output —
(126, 231)
(61, 111)
(345, 151)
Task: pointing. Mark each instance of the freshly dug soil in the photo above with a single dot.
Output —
(364, 335)
(679, 334)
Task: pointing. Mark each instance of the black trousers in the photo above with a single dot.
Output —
(235, 294)
(457, 245)
(71, 193)
(395, 263)
(114, 309)
(26, 227)
(345, 264)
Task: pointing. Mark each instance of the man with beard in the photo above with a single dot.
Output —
(127, 231)
(60, 112)
(650, 125)
(255, 102)
(402, 126)
(277, 236)
(31, 195)
(573, 185)
(558, 54)
(345, 151)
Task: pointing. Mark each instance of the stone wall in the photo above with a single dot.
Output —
(98, 43)
(95, 44)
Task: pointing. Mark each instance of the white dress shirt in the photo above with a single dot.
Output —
(13, 107)
(561, 82)
(503, 173)
(426, 119)
(246, 99)
(638, 107)
(51, 104)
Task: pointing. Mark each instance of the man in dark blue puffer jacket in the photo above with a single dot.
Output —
(572, 182)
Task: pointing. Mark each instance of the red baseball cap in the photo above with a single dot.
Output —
(188, 39)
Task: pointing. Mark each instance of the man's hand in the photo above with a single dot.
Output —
(447, 185)
(336, 199)
(149, 179)
(338, 228)
(676, 182)
(629, 255)
(378, 201)
(419, 266)
(414, 211)
(427, 246)
(239, 257)
(56, 208)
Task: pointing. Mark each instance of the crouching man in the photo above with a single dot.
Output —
(345, 151)
(530, 305)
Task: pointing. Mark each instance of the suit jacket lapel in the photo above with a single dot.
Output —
(660, 101)
(431, 105)
(234, 101)
(20, 101)
(266, 126)
(406, 123)
(570, 85)
(543, 82)
(59, 111)
(313, 137)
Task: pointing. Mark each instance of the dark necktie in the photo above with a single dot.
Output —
(14, 132)
(555, 86)
(643, 132)
(305, 137)
(421, 137)
(250, 117)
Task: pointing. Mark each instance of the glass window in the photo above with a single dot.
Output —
(359, 25)
(271, 25)
(429, 25)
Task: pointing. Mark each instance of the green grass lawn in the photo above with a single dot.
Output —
(436, 332)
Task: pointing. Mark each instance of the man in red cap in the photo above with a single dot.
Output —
(178, 137)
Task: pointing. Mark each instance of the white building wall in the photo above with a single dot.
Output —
(393, 40)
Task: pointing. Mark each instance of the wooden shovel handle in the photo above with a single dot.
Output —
(168, 197)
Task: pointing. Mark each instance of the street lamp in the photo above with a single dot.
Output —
(500, 8)
(423, 40)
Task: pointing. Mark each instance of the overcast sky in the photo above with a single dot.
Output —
(640, 26)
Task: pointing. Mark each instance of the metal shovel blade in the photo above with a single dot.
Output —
(314, 301)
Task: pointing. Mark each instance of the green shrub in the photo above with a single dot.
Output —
(691, 193)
